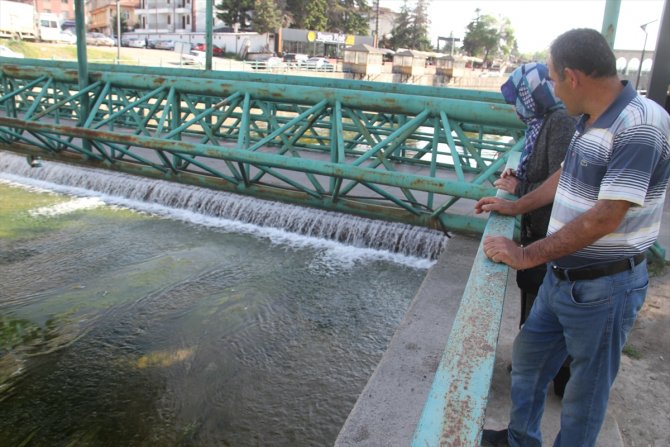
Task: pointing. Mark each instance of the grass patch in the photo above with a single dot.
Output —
(41, 50)
(632, 352)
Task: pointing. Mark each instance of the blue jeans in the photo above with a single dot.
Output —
(588, 320)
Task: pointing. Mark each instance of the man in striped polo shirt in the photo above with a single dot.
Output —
(607, 203)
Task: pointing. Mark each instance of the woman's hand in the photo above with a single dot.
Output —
(507, 181)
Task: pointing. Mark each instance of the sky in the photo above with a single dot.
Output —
(538, 22)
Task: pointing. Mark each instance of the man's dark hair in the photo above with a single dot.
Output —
(583, 49)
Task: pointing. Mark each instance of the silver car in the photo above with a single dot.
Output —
(164, 45)
(99, 39)
(134, 42)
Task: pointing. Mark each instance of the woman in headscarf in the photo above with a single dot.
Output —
(548, 134)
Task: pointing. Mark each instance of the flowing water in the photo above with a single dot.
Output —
(134, 313)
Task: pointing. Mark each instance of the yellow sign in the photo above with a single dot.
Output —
(350, 40)
(311, 36)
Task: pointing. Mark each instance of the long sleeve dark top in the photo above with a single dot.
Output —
(544, 160)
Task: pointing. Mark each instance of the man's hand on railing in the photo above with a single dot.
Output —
(501, 249)
(502, 206)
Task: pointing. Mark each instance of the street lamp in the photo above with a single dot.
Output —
(644, 47)
(118, 33)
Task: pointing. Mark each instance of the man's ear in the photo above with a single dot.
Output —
(573, 77)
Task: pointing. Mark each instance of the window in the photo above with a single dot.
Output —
(169, 20)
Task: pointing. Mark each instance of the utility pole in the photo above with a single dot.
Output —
(644, 47)
(377, 24)
(118, 32)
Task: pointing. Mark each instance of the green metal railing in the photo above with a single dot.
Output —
(454, 412)
(401, 153)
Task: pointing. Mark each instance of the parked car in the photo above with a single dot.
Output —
(295, 59)
(216, 51)
(266, 62)
(164, 45)
(6, 52)
(319, 63)
(133, 42)
(67, 37)
(99, 39)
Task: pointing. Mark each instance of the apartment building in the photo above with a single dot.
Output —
(171, 16)
(62, 8)
(101, 15)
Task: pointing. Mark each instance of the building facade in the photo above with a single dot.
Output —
(101, 16)
(381, 22)
(64, 9)
(318, 43)
(173, 16)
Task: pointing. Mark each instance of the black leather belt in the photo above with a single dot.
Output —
(596, 271)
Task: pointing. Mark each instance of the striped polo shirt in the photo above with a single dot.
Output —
(624, 155)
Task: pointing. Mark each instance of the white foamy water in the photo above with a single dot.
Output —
(344, 239)
(83, 203)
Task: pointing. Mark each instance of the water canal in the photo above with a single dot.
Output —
(138, 323)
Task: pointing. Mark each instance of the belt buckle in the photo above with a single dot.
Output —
(560, 272)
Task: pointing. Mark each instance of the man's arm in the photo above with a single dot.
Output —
(543, 195)
(599, 221)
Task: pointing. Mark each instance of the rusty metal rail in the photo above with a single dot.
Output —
(454, 411)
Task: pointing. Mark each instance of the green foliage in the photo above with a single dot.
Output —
(344, 16)
(267, 17)
(310, 15)
(632, 352)
(315, 15)
(421, 23)
(235, 11)
(348, 16)
(411, 28)
(15, 332)
(537, 56)
(507, 44)
(488, 38)
(401, 34)
(124, 25)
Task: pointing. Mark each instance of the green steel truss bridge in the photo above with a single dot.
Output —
(384, 151)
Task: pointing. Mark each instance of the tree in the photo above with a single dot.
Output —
(506, 39)
(410, 29)
(267, 16)
(124, 25)
(487, 38)
(348, 16)
(308, 15)
(316, 17)
(401, 35)
(420, 22)
(235, 11)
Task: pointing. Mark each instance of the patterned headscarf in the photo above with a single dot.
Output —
(530, 90)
